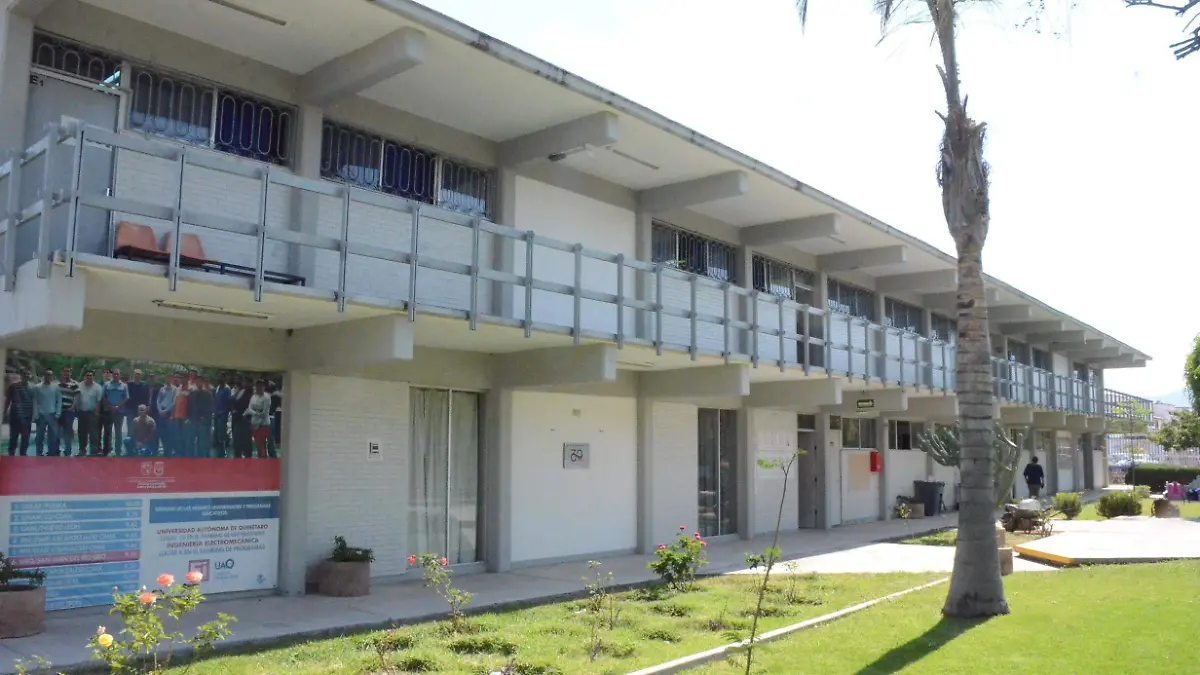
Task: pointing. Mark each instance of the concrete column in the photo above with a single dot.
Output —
(294, 483)
(744, 307)
(880, 367)
(645, 475)
(883, 447)
(643, 281)
(497, 482)
(16, 49)
(306, 205)
(747, 468)
(829, 472)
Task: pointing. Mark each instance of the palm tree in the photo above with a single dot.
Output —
(976, 589)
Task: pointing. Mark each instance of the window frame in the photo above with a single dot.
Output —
(837, 289)
(940, 323)
(863, 427)
(890, 305)
(681, 262)
(762, 268)
(914, 430)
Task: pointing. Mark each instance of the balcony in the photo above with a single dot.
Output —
(270, 232)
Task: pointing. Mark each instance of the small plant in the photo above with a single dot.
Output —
(23, 578)
(439, 578)
(343, 553)
(1116, 504)
(1069, 503)
(601, 605)
(678, 563)
(149, 647)
(662, 635)
(902, 510)
(1045, 526)
(37, 665)
(1141, 492)
(386, 642)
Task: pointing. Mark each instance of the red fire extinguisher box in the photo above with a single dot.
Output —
(876, 462)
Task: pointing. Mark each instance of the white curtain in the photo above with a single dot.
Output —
(464, 477)
(428, 467)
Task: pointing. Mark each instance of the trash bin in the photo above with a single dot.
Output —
(929, 493)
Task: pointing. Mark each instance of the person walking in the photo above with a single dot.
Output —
(1035, 478)
(19, 409)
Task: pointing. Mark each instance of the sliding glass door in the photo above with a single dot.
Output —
(443, 514)
(718, 472)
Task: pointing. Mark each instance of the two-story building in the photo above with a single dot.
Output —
(501, 313)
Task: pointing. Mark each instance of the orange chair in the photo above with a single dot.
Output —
(137, 242)
(191, 251)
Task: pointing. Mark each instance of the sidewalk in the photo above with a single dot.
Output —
(269, 619)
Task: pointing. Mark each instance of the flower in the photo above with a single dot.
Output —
(662, 547)
(194, 577)
(703, 544)
(166, 580)
(696, 536)
(104, 640)
(683, 527)
(445, 562)
(147, 598)
(101, 630)
(412, 560)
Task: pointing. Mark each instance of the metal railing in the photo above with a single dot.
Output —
(379, 249)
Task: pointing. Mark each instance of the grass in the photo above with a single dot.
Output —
(1186, 510)
(555, 639)
(1087, 620)
(950, 538)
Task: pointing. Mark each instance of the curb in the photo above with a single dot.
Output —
(701, 658)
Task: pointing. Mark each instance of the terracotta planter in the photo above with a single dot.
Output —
(344, 579)
(22, 612)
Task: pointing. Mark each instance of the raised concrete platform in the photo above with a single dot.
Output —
(1120, 540)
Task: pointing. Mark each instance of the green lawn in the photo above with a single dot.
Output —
(950, 538)
(556, 639)
(1100, 621)
(1186, 510)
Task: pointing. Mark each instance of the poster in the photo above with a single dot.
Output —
(99, 502)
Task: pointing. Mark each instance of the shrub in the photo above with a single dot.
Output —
(1115, 504)
(1069, 503)
(1141, 492)
(9, 574)
(1158, 475)
(678, 563)
(483, 645)
(438, 578)
(350, 554)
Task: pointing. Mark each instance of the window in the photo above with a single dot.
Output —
(204, 114)
(851, 300)
(782, 279)
(1042, 360)
(372, 162)
(692, 252)
(858, 433)
(944, 328)
(903, 315)
(1018, 351)
(71, 58)
(443, 474)
(718, 472)
(903, 435)
(1082, 372)
(806, 422)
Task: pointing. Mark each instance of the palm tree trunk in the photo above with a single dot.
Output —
(976, 589)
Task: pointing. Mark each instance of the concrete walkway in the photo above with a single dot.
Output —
(880, 558)
(267, 619)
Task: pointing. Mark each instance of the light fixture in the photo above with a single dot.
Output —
(590, 151)
(210, 309)
(228, 4)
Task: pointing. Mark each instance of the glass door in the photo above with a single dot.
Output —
(718, 472)
(443, 514)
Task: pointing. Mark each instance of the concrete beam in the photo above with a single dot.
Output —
(42, 306)
(694, 192)
(598, 130)
(696, 383)
(1076, 345)
(351, 344)
(1027, 327)
(1123, 361)
(862, 259)
(29, 8)
(1009, 313)
(1094, 353)
(1097, 425)
(1049, 420)
(1077, 423)
(1066, 336)
(791, 231)
(949, 300)
(869, 401)
(801, 396)
(918, 281)
(555, 367)
(933, 408)
(1016, 416)
(363, 68)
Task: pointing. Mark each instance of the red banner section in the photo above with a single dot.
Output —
(25, 476)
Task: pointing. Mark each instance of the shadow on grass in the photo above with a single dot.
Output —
(938, 636)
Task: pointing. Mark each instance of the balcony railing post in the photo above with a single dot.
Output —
(177, 221)
(47, 195)
(530, 242)
(473, 318)
(414, 262)
(73, 208)
(827, 320)
(945, 370)
(261, 250)
(867, 351)
(754, 327)
(344, 258)
(806, 344)
(725, 320)
(620, 300)
(14, 217)
(694, 346)
(576, 295)
(902, 363)
(658, 309)
(782, 349)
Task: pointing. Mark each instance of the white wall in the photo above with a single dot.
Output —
(560, 513)
(774, 439)
(949, 476)
(348, 494)
(902, 468)
(571, 218)
(858, 505)
(675, 492)
(1066, 461)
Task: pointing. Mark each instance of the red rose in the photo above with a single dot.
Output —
(412, 560)
(445, 562)
(662, 547)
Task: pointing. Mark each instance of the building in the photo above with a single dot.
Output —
(513, 317)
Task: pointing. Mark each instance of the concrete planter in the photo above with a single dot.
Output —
(1006, 561)
(22, 612)
(1001, 537)
(344, 579)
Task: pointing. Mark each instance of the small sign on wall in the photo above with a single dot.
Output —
(374, 453)
(576, 455)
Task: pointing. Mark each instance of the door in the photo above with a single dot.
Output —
(717, 472)
(809, 485)
(444, 508)
(52, 100)
(1089, 461)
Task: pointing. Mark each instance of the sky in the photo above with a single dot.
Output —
(1090, 169)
